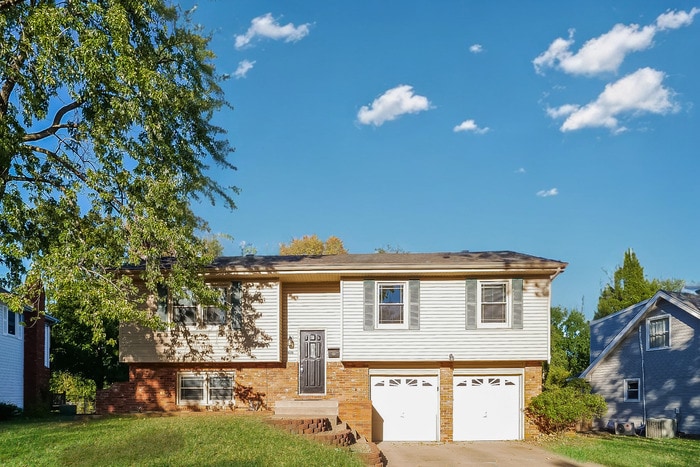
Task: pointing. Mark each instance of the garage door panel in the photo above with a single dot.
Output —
(404, 408)
(486, 408)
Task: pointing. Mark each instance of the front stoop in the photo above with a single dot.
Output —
(323, 408)
(333, 432)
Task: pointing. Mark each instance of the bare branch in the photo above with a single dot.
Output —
(56, 125)
(52, 155)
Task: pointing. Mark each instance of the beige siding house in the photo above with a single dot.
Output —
(427, 347)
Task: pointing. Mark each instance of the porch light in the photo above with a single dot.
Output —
(290, 342)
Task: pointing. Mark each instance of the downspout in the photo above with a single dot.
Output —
(643, 389)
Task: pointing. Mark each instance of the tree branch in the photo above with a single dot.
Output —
(56, 125)
(52, 155)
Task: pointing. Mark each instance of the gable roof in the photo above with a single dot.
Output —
(621, 323)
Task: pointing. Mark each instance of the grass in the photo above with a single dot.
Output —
(202, 440)
(626, 451)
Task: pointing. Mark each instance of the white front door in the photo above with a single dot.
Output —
(487, 408)
(405, 408)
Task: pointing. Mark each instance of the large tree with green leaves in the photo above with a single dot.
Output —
(570, 343)
(105, 139)
(629, 286)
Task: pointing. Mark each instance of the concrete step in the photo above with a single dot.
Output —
(306, 409)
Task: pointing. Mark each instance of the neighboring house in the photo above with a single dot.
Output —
(25, 346)
(645, 361)
(440, 346)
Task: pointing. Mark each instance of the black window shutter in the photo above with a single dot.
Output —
(517, 285)
(471, 304)
(162, 306)
(414, 304)
(369, 305)
(236, 305)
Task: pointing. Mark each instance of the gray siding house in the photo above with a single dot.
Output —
(645, 361)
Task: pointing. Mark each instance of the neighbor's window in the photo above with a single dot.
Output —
(659, 332)
(493, 304)
(10, 322)
(390, 306)
(209, 388)
(632, 390)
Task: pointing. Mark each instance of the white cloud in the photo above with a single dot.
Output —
(548, 193)
(521, 170)
(606, 52)
(244, 66)
(675, 20)
(267, 26)
(637, 93)
(470, 125)
(392, 104)
(476, 48)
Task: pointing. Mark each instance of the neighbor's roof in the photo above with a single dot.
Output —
(459, 261)
(620, 324)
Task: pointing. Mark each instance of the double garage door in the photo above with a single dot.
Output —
(407, 408)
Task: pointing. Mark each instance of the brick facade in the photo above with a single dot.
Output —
(36, 374)
(153, 387)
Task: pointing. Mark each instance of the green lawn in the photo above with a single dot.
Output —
(626, 451)
(202, 440)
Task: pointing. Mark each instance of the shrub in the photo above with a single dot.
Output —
(560, 408)
(8, 410)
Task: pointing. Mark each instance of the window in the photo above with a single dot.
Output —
(658, 333)
(494, 304)
(11, 322)
(186, 310)
(632, 390)
(47, 345)
(210, 388)
(390, 305)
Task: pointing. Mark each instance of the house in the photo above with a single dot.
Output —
(645, 361)
(437, 346)
(25, 346)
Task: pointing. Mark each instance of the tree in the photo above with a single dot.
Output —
(570, 343)
(312, 245)
(105, 138)
(629, 286)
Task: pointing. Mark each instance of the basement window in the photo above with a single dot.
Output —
(205, 388)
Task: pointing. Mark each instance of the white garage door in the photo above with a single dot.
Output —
(405, 408)
(486, 408)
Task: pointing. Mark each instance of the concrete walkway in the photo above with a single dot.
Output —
(500, 453)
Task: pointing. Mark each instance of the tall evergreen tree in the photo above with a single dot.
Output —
(630, 286)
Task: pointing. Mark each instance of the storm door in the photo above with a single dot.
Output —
(312, 363)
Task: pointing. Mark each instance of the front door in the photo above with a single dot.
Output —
(312, 362)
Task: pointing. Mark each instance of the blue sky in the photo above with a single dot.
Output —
(567, 130)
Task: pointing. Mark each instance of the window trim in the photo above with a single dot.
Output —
(405, 304)
(648, 326)
(627, 381)
(206, 388)
(508, 304)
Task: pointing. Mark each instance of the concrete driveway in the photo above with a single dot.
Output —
(500, 453)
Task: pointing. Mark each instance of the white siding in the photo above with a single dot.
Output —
(442, 328)
(313, 307)
(12, 368)
(207, 344)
